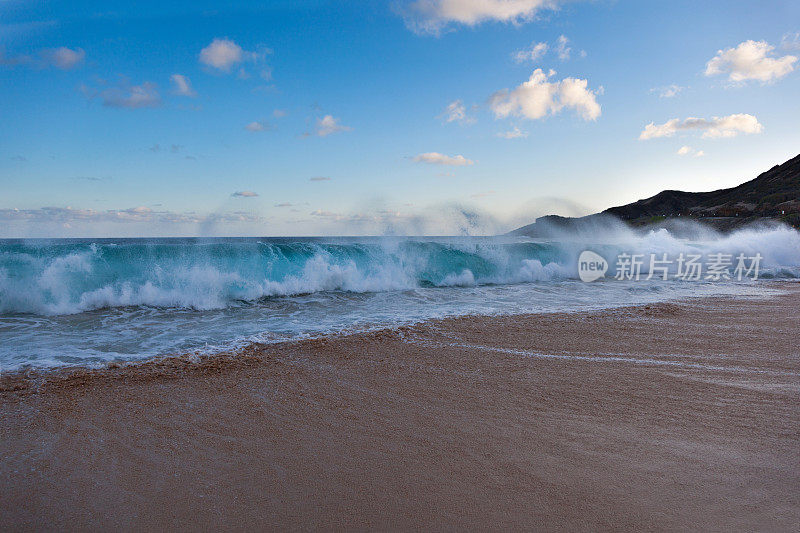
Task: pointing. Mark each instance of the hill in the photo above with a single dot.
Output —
(773, 196)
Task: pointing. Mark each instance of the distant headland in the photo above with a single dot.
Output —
(772, 197)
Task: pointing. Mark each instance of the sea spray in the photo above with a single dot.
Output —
(87, 302)
(63, 277)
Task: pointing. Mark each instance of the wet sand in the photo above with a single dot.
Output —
(673, 416)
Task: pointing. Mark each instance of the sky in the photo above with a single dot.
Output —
(368, 117)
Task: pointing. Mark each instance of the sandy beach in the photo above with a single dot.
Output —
(680, 415)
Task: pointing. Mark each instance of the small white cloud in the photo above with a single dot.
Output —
(791, 41)
(255, 126)
(537, 50)
(283, 204)
(319, 178)
(65, 215)
(222, 54)
(688, 150)
(538, 97)
(435, 158)
(328, 125)
(750, 60)
(64, 58)
(482, 194)
(533, 53)
(182, 86)
(125, 95)
(515, 133)
(457, 112)
(244, 194)
(280, 113)
(668, 91)
(432, 16)
(326, 214)
(714, 128)
(562, 48)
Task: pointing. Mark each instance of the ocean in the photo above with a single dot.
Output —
(90, 301)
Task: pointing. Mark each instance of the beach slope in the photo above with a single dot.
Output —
(680, 415)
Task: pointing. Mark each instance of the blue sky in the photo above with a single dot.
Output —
(376, 117)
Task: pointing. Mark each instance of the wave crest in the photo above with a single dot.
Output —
(72, 277)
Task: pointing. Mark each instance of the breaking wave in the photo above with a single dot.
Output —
(66, 277)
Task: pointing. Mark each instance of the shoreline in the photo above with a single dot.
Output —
(31, 377)
(679, 414)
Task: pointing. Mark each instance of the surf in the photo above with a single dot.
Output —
(52, 278)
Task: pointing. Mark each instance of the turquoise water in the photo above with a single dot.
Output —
(63, 277)
(91, 301)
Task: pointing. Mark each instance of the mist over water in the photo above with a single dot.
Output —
(90, 301)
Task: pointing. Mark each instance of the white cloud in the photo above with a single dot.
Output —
(562, 49)
(537, 98)
(125, 95)
(64, 58)
(515, 133)
(245, 194)
(435, 158)
(537, 50)
(750, 61)
(457, 112)
(326, 214)
(688, 150)
(255, 126)
(534, 52)
(319, 178)
(64, 215)
(222, 54)
(328, 125)
(714, 128)
(432, 16)
(791, 41)
(182, 86)
(668, 91)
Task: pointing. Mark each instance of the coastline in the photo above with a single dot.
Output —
(671, 415)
